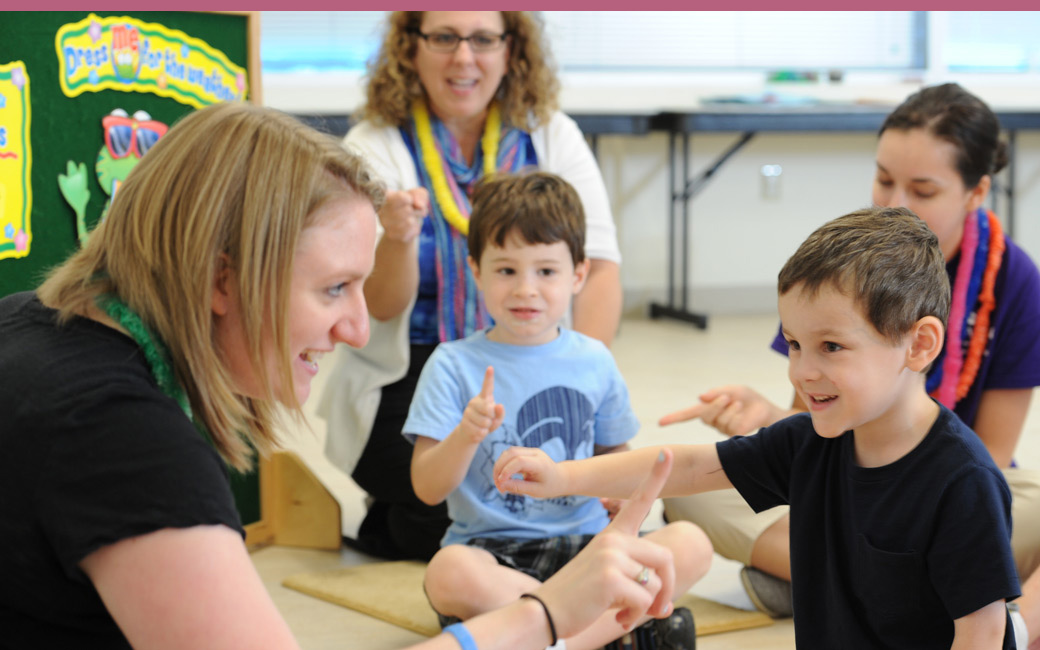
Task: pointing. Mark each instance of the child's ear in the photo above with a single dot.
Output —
(926, 341)
(474, 267)
(581, 274)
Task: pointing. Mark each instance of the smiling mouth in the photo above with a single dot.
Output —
(822, 399)
(310, 359)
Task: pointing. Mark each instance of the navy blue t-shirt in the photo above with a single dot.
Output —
(882, 557)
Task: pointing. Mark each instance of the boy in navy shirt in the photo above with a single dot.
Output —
(900, 520)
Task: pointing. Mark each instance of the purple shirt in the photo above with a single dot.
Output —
(1012, 358)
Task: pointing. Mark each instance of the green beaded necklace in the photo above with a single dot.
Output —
(155, 350)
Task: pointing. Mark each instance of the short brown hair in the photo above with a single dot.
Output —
(886, 259)
(539, 207)
(231, 183)
(528, 93)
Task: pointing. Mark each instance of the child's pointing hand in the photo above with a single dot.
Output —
(482, 415)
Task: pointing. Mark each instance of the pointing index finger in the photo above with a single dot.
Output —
(487, 391)
(635, 510)
(681, 415)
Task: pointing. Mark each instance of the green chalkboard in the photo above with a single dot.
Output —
(77, 68)
(67, 128)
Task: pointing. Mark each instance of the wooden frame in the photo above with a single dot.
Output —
(295, 507)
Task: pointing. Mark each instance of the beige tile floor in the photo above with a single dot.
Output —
(666, 364)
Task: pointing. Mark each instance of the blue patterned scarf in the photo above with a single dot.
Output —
(460, 306)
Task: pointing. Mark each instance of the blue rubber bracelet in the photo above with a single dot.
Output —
(462, 635)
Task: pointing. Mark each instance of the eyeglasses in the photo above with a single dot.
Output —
(479, 42)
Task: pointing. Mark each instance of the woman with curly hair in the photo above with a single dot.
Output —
(451, 97)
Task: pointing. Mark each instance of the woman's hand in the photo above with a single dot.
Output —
(603, 576)
(395, 275)
(734, 410)
(403, 212)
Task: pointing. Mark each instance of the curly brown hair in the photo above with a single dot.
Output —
(528, 94)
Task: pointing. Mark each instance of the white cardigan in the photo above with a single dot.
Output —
(351, 396)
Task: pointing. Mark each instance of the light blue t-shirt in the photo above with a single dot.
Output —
(565, 396)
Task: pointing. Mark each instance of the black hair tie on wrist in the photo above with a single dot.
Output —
(548, 616)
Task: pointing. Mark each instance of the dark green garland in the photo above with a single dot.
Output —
(155, 350)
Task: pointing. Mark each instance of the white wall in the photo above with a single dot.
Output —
(739, 238)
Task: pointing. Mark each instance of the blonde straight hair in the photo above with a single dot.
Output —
(229, 186)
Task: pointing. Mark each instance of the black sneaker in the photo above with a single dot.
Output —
(676, 632)
(627, 642)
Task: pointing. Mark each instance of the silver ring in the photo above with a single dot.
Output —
(644, 576)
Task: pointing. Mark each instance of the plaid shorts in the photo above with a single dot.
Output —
(538, 558)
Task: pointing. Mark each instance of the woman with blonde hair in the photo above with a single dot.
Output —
(451, 97)
(232, 259)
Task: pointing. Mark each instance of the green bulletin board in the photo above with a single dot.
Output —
(67, 79)
(65, 128)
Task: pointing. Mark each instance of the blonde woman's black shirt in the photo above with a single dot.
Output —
(91, 452)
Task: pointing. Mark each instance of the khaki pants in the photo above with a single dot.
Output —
(733, 526)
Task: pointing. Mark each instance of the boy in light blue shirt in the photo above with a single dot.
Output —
(527, 382)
